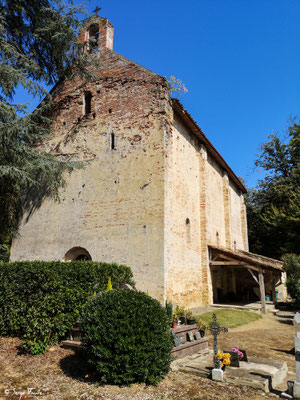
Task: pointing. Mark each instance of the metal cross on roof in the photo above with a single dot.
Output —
(215, 329)
(97, 9)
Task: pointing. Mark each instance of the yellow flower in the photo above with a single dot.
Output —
(224, 358)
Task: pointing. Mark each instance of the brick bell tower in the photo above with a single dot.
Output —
(101, 31)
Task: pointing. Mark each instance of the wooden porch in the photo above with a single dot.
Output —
(242, 277)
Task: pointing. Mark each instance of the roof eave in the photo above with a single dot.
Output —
(251, 258)
(191, 123)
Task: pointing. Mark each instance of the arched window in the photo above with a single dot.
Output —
(77, 254)
(87, 102)
(93, 37)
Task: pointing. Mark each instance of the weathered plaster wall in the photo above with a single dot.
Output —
(215, 204)
(114, 207)
(198, 190)
(182, 218)
(236, 218)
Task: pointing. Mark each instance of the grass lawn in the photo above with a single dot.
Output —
(229, 318)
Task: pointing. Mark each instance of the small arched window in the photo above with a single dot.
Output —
(87, 102)
(77, 254)
(93, 37)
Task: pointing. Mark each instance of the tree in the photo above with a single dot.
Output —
(38, 47)
(274, 206)
(291, 264)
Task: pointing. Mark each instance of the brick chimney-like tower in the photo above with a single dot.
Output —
(101, 30)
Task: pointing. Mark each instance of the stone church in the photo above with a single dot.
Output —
(154, 194)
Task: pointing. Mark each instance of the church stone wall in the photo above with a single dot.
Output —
(236, 218)
(114, 206)
(215, 204)
(202, 206)
(149, 196)
(182, 218)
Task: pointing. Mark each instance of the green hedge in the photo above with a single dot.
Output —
(126, 337)
(40, 301)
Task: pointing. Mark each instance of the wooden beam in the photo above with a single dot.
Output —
(226, 263)
(262, 291)
(233, 264)
(253, 276)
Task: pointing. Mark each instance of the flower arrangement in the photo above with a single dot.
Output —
(175, 318)
(237, 350)
(224, 358)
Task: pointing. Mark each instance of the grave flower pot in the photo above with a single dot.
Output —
(191, 321)
(202, 332)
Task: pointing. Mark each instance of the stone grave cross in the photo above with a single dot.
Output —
(215, 329)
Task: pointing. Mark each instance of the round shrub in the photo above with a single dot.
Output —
(126, 337)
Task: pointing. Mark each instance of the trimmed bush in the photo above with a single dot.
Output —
(41, 301)
(126, 337)
(291, 264)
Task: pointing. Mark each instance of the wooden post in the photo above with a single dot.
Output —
(273, 288)
(262, 291)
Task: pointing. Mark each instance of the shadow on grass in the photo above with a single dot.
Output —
(286, 321)
(77, 367)
(292, 351)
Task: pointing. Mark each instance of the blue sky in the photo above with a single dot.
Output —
(239, 59)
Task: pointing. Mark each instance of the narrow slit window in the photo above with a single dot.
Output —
(188, 230)
(112, 141)
(87, 102)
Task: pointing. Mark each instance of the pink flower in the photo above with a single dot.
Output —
(237, 350)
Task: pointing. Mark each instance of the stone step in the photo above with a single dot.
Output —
(72, 344)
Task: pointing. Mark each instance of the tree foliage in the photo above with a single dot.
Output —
(291, 264)
(273, 207)
(38, 47)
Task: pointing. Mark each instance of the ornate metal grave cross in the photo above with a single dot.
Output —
(215, 330)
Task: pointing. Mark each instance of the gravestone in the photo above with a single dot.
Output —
(182, 339)
(215, 330)
(234, 358)
(190, 336)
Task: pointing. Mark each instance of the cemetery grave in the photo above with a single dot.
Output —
(256, 372)
(65, 375)
(187, 341)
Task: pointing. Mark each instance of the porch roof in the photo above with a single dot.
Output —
(244, 258)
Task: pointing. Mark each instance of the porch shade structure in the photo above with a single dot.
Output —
(256, 265)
